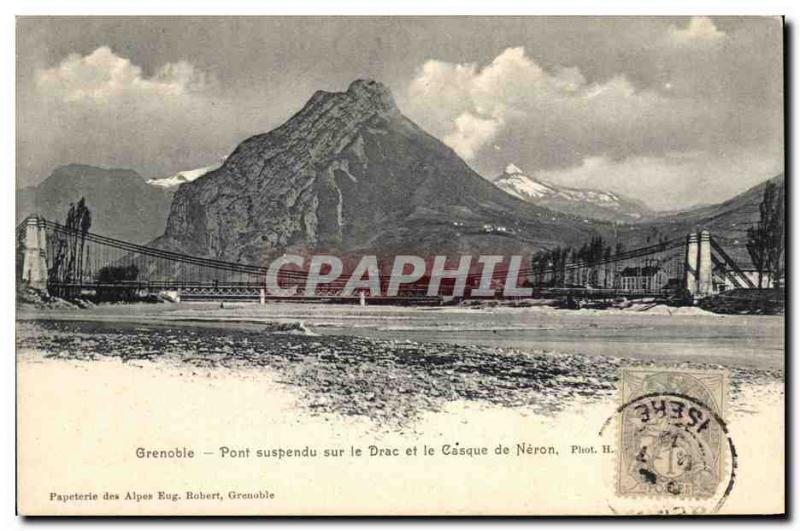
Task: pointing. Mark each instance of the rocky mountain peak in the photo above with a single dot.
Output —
(362, 99)
(327, 123)
(347, 172)
(373, 91)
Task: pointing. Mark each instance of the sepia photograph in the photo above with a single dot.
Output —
(400, 265)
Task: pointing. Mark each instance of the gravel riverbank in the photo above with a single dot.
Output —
(388, 381)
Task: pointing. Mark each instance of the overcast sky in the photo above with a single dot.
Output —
(671, 111)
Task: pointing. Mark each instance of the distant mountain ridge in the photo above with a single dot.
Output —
(727, 222)
(596, 204)
(122, 204)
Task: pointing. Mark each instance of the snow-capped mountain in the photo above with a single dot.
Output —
(185, 176)
(595, 204)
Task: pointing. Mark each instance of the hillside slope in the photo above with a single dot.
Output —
(727, 222)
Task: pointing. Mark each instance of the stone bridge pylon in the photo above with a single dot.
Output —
(699, 270)
(34, 253)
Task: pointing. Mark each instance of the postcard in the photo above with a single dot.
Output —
(400, 266)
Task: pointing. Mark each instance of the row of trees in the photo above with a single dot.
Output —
(766, 239)
(70, 260)
(69, 247)
(549, 266)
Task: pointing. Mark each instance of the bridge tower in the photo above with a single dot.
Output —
(699, 276)
(705, 284)
(34, 254)
(692, 251)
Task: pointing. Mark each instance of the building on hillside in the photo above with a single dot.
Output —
(643, 278)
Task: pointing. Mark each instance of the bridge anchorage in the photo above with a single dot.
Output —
(70, 263)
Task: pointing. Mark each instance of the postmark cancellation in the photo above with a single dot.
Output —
(672, 439)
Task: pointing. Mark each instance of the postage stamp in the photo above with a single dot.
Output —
(672, 437)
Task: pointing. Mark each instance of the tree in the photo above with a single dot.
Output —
(110, 275)
(776, 234)
(560, 259)
(79, 219)
(756, 248)
(69, 247)
(115, 274)
(84, 223)
(540, 264)
(765, 239)
(619, 249)
(606, 267)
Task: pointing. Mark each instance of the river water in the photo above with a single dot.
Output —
(681, 335)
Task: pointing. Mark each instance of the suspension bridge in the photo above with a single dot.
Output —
(69, 262)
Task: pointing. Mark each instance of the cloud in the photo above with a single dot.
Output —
(104, 77)
(102, 109)
(471, 132)
(698, 29)
(686, 98)
(469, 106)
